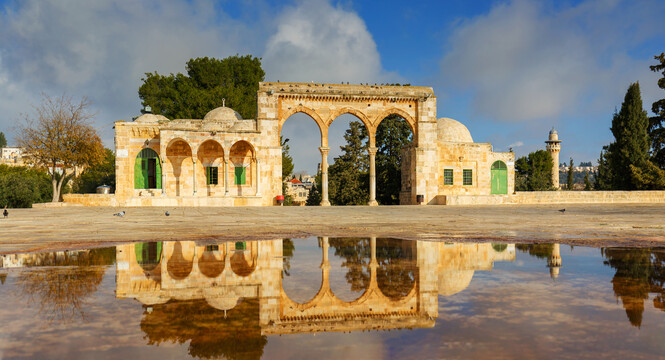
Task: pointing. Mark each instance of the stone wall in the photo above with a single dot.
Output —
(556, 197)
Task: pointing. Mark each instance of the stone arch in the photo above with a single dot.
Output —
(396, 111)
(241, 163)
(178, 266)
(179, 156)
(305, 110)
(210, 172)
(147, 170)
(353, 111)
(243, 262)
(212, 261)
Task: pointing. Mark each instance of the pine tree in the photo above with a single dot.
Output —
(348, 177)
(570, 182)
(391, 136)
(534, 172)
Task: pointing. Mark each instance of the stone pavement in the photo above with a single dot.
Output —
(60, 228)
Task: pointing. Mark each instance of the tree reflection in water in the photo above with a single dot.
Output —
(356, 253)
(540, 251)
(638, 273)
(62, 289)
(396, 264)
(211, 333)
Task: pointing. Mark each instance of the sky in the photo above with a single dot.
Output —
(508, 70)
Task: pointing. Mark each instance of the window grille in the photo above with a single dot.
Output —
(447, 176)
(467, 177)
(212, 175)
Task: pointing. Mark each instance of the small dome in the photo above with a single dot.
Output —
(453, 281)
(150, 118)
(554, 136)
(222, 113)
(450, 130)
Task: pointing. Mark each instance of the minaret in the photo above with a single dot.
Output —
(553, 147)
(554, 261)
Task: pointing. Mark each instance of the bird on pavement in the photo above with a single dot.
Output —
(167, 213)
(120, 214)
(562, 210)
(5, 213)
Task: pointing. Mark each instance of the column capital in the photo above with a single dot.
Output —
(372, 150)
(324, 150)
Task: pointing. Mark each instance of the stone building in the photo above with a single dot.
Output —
(225, 160)
(553, 148)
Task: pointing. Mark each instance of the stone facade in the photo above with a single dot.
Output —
(225, 275)
(224, 160)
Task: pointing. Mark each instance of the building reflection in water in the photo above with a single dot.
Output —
(225, 298)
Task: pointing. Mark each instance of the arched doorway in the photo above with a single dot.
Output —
(499, 178)
(394, 141)
(147, 170)
(148, 254)
(242, 162)
(210, 175)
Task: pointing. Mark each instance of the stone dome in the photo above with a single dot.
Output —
(554, 136)
(150, 118)
(222, 113)
(450, 130)
(453, 281)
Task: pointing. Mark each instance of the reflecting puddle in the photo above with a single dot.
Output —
(333, 298)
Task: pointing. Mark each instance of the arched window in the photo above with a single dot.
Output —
(147, 170)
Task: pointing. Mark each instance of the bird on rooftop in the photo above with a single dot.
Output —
(5, 213)
(120, 214)
(562, 210)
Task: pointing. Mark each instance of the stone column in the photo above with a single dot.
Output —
(226, 178)
(554, 147)
(373, 264)
(257, 171)
(324, 175)
(325, 264)
(372, 176)
(554, 261)
(194, 164)
(163, 178)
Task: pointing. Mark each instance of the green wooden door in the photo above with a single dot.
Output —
(147, 170)
(499, 178)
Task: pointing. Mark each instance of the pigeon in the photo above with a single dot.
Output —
(562, 210)
(5, 213)
(167, 213)
(120, 214)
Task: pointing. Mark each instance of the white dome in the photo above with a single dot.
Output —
(450, 130)
(222, 113)
(150, 118)
(453, 281)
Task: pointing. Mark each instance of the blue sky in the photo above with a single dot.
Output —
(508, 70)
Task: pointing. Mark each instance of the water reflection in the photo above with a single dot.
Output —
(639, 272)
(60, 283)
(216, 300)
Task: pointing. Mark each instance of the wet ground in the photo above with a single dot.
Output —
(590, 225)
(333, 297)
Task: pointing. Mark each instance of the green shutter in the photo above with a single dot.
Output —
(240, 175)
(138, 174)
(158, 174)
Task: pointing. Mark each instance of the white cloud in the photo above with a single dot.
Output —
(316, 41)
(528, 61)
(102, 49)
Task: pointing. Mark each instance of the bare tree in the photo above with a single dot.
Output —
(58, 135)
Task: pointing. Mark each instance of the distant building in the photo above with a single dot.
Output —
(299, 190)
(12, 156)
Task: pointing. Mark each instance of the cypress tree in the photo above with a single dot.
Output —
(631, 144)
(570, 175)
(657, 123)
(3, 140)
(587, 183)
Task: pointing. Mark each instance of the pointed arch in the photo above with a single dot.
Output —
(396, 111)
(305, 110)
(355, 112)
